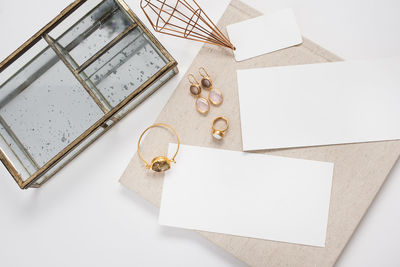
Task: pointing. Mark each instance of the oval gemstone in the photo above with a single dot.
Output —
(217, 136)
(160, 166)
(215, 97)
(206, 82)
(202, 105)
(194, 90)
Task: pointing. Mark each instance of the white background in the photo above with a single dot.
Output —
(84, 217)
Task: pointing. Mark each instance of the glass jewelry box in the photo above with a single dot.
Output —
(71, 82)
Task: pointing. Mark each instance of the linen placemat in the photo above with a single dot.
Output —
(360, 169)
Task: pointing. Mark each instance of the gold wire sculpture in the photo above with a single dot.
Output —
(181, 19)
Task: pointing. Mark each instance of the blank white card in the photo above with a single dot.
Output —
(264, 34)
(248, 194)
(320, 104)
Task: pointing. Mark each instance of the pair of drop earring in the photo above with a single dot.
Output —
(214, 96)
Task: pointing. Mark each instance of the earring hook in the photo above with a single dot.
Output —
(204, 74)
(193, 81)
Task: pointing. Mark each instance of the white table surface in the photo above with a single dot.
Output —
(84, 217)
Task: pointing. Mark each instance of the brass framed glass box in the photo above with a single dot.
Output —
(80, 75)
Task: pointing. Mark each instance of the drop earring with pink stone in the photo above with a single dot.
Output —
(215, 96)
(202, 104)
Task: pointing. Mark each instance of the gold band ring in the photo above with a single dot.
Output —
(219, 133)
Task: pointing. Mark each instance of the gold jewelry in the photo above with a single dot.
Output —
(195, 88)
(202, 105)
(160, 163)
(215, 95)
(206, 81)
(219, 134)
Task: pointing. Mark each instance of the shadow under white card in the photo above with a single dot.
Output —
(264, 34)
(248, 194)
(320, 104)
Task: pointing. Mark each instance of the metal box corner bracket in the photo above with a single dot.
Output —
(90, 71)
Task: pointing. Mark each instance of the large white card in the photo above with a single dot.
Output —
(320, 104)
(248, 194)
(264, 34)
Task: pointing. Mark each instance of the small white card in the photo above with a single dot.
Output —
(248, 194)
(264, 34)
(320, 104)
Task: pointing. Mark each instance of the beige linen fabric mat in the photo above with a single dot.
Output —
(360, 169)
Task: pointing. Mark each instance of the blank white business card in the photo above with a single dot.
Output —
(320, 104)
(247, 194)
(264, 34)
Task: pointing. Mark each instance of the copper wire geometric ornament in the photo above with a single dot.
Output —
(184, 19)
